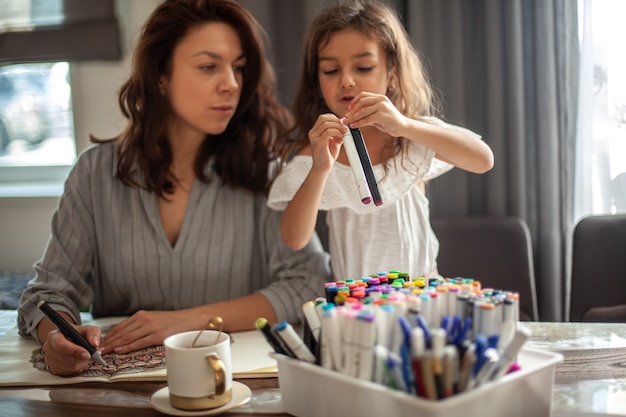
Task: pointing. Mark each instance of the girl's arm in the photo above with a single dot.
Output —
(298, 220)
(300, 215)
(459, 147)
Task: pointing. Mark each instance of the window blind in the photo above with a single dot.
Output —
(58, 30)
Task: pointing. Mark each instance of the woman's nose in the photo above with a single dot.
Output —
(230, 82)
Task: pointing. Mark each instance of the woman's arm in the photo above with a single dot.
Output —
(150, 328)
(61, 278)
(61, 274)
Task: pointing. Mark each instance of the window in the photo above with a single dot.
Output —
(36, 126)
(38, 40)
(601, 153)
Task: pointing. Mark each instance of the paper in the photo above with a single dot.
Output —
(250, 357)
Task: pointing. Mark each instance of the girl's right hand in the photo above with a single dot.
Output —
(66, 358)
(326, 138)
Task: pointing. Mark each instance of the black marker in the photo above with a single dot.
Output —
(366, 163)
(70, 331)
(272, 338)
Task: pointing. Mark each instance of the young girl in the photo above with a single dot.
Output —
(360, 70)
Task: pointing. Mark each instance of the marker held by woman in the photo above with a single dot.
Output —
(70, 332)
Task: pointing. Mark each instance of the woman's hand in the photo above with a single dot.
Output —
(64, 357)
(147, 328)
(368, 109)
(326, 138)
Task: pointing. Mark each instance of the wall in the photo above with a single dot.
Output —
(25, 222)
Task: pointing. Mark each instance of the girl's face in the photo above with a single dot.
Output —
(205, 82)
(348, 64)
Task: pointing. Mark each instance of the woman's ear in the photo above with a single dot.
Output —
(162, 84)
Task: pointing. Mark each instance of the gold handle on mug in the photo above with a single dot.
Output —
(219, 371)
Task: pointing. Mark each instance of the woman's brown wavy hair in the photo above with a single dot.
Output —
(242, 153)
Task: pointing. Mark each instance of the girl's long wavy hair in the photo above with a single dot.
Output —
(242, 153)
(412, 95)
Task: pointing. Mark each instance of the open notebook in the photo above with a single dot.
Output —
(18, 361)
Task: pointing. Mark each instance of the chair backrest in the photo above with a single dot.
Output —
(599, 269)
(497, 251)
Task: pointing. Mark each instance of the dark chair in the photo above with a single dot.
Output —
(599, 269)
(496, 251)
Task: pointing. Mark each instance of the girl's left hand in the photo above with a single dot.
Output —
(369, 109)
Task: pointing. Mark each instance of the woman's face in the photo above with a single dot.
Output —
(205, 82)
(350, 63)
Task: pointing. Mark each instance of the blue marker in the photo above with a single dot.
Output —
(481, 346)
(405, 354)
(289, 336)
(463, 332)
(454, 329)
(445, 321)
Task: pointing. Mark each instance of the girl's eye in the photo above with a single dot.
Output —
(329, 72)
(364, 69)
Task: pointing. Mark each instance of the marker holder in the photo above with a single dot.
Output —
(309, 390)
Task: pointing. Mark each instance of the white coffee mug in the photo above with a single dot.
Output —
(199, 377)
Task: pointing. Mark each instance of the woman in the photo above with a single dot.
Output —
(168, 222)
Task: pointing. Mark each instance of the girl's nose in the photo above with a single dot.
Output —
(347, 81)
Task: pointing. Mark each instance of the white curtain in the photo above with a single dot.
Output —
(600, 184)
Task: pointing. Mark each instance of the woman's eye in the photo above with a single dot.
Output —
(239, 68)
(209, 67)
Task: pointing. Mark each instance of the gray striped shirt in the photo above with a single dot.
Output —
(108, 251)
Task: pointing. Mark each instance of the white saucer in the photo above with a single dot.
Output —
(160, 401)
